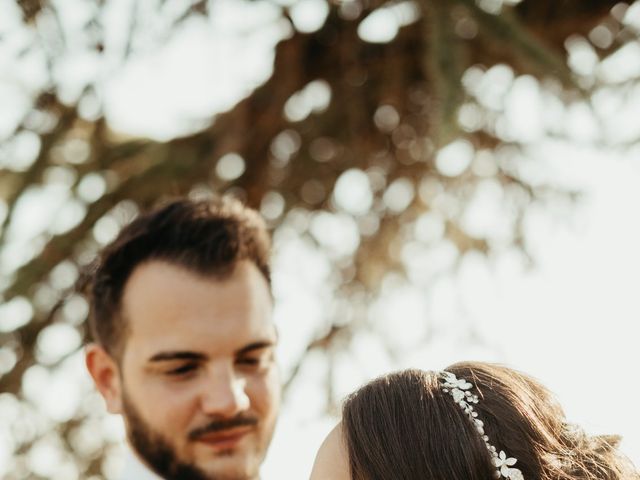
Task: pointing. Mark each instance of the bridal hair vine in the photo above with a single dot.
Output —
(459, 389)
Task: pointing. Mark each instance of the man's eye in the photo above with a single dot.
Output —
(249, 361)
(181, 370)
(256, 363)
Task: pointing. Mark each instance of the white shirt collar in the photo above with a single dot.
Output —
(134, 469)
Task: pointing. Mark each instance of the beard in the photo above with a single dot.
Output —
(161, 456)
(157, 451)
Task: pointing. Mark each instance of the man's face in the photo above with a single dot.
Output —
(199, 387)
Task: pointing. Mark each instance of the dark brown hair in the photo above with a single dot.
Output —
(403, 426)
(208, 238)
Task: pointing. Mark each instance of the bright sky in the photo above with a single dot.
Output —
(571, 320)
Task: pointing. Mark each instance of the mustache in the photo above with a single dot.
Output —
(220, 425)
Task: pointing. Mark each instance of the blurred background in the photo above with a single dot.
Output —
(444, 179)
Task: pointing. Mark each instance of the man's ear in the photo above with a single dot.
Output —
(106, 375)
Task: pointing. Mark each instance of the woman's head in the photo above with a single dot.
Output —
(405, 426)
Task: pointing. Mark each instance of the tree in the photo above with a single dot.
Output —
(398, 123)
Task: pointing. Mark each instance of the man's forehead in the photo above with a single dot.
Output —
(168, 308)
(158, 272)
(166, 285)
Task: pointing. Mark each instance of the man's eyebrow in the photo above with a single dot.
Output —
(178, 355)
(255, 346)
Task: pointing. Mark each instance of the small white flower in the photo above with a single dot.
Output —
(503, 463)
(457, 395)
(458, 389)
(449, 377)
(454, 382)
(514, 474)
(462, 384)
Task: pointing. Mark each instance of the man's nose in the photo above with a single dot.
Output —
(224, 394)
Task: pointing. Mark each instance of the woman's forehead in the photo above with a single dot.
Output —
(332, 461)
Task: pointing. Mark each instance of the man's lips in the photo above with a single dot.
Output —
(225, 439)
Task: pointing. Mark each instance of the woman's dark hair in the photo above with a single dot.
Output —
(403, 426)
(206, 237)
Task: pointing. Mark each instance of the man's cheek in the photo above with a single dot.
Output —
(275, 386)
(272, 380)
(171, 414)
(266, 396)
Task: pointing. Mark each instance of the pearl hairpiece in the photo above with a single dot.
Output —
(459, 389)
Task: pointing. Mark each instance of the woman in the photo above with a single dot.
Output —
(473, 421)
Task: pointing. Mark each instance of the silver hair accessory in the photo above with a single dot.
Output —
(459, 389)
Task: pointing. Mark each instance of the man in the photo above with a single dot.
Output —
(184, 340)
